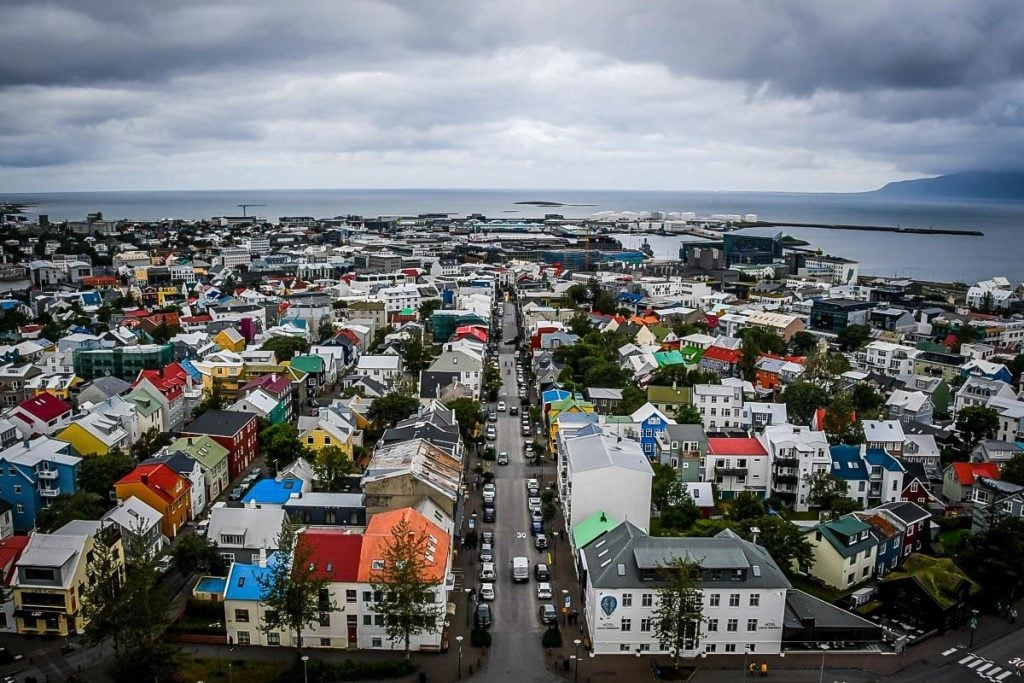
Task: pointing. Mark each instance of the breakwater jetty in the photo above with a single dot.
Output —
(865, 228)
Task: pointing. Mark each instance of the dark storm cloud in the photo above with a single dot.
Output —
(770, 93)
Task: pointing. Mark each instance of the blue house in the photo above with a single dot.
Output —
(849, 466)
(890, 543)
(33, 473)
(652, 422)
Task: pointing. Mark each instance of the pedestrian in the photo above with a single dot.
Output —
(1013, 615)
(752, 668)
(764, 669)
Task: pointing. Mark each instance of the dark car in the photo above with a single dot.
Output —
(482, 618)
(536, 527)
(513, 410)
(548, 614)
(540, 542)
(489, 513)
(503, 458)
(541, 572)
(487, 537)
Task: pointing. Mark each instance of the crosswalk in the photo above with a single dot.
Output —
(983, 668)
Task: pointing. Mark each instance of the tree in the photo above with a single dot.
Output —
(379, 336)
(825, 370)
(681, 512)
(853, 337)
(784, 541)
(1013, 471)
(965, 334)
(468, 415)
(576, 295)
(407, 593)
(98, 473)
(414, 356)
(633, 398)
(428, 307)
(214, 400)
(687, 414)
(64, 509)
(286, 348)
(994, 558)
(280, 444)
(388, 410)
(803, 343)
(326, 330)
(332, 466)
(841, 424)
(976, 423)
(828, 493)
(680, 607)
(103, 596)
(802, 399)
(149, 442)
(746, 506)
(195, 554)
(293, 591)
(866, 401)
(580, 324)
(756, 343)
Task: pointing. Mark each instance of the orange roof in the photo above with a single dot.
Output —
(967, 472)
(378, 535)
(158, 478)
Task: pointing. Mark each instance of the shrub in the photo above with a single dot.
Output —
(552, 638)
(349, 670)
(480, 637)
(488, 477)
(489, 454)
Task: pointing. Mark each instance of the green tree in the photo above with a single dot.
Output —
(213, 400)
(746, 506)
(332, 466)
(409, 605)
(828, 493)
(853, 337)
(825, 370)
(784, 541)
(633, 398)
(196, 554)
(428, 307)
(866, 401)
(293, 592)
(976, 423)
(388, 410)
(803, 343)
(280, 444)
(326, 330)
(994, 558)
(580, 324)
(468, 415)
(756, 343)
(1013, 471)
(687, 414)
(149, 442)
(665, 477)
(965, 334)
(802, 399)
(98, 473)
(103, 597)
(681, 512)
(63, 509)
(379, 336)
(414, 356)
(575, 295)
(679, 609)
(286, 348)
(841, 424)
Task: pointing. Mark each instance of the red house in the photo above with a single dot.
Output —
(232, 430)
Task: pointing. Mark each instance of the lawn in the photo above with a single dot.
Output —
(816, 589)
(950, 539)
(209, 670)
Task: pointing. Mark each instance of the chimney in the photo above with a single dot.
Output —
(754, 531)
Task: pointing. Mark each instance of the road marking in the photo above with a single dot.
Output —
(1004, 675)
(993, 672)
(980, 669)
(966, 659)
(950, 651)
(975, 665)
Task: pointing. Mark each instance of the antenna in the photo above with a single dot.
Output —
(245, 206)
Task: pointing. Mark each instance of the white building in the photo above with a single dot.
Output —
(720, 406)
(890, 359)
(994, 294)
(595, 465)
(744, 593)
(385, 369)
(235, 256)
(398, 297)
(795, 453)
(976, 392)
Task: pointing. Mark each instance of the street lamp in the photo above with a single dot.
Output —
(458, 639)
(972, 624)
(565, 606)
(469, 604)
(746, 652)
(305, 670)
(577, 642)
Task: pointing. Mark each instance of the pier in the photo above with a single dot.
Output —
(865, 228)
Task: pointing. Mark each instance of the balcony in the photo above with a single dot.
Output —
(48, 492)
(47, 474)
(787, 462)
(731, 471)
(787, 479)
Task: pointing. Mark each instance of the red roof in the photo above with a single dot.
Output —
(967, 472)
(10, 550)
(45, 407)
(711, 321)
(334, 554)
(197, 319)
(158, 478)
(169, 380)
(735, 446)
(720, 354)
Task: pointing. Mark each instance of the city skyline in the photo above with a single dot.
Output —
(659, 96)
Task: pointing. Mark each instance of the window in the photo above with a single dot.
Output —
(350, 596)
(710, 647)
(21, 508)
(243, 637)
(367, 620)
(730, 647)
(626, 624)
(627, 599)
(273, 638)
(734, 600)
(712, 625)
(865, 571)
(751, 624)
(378, 620)
(377, 642)
(242, 615)
(325, 619)
(647, 599)
(732, 625)
(325, 642)
(714, 600)
(645, 625)
(755, 600)
(367, 596)
(310, 440)
(17, 488)
(623, 647)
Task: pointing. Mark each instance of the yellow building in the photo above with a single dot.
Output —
(226, 369)
(167, 294)
(230, 339)
(565, 405)
(51, 574)
(95, 434)
(329, 428)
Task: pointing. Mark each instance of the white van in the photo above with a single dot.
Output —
(520, 569)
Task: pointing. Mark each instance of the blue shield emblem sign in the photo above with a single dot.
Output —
(608, 604)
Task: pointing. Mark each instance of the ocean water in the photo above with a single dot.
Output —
(999, 252)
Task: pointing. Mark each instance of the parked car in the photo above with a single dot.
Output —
(536, 527)
(486, 553)
(489, 513)
(203, 527)
(236, 493)
(533, 487)
(491, 434)
(541, 572)
(492, 416)
(544, 591)
(540, 542)
(487, 591)
(513, 409)
(489, 491)
(533, 503)
(536, 516)
(164, 564)
(483, 615)
(487, 571)
(548, 614)
(487, 537)
(503, 458)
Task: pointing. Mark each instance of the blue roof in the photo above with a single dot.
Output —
(629, 296)
(187, 366)
(847, 464)
(273, 491)
(878, 457)
(552, 395)
(244, 580)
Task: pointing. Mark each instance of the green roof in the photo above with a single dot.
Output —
(668, 358)
(659, 331)
(848, 526)
(938, 576)
(408, 311)
(618, 419)
(657, 393)
(308, 364)
(592, 527)
(691, 354)
(202, 448)
(145, 403)
(569, 402)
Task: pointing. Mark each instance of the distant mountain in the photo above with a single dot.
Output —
(967, 185)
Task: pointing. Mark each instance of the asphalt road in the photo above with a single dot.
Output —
(516, 654)
(994, 661)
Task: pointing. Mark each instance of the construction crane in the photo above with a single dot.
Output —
(246, 206)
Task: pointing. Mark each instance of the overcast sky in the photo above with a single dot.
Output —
(675, 95)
